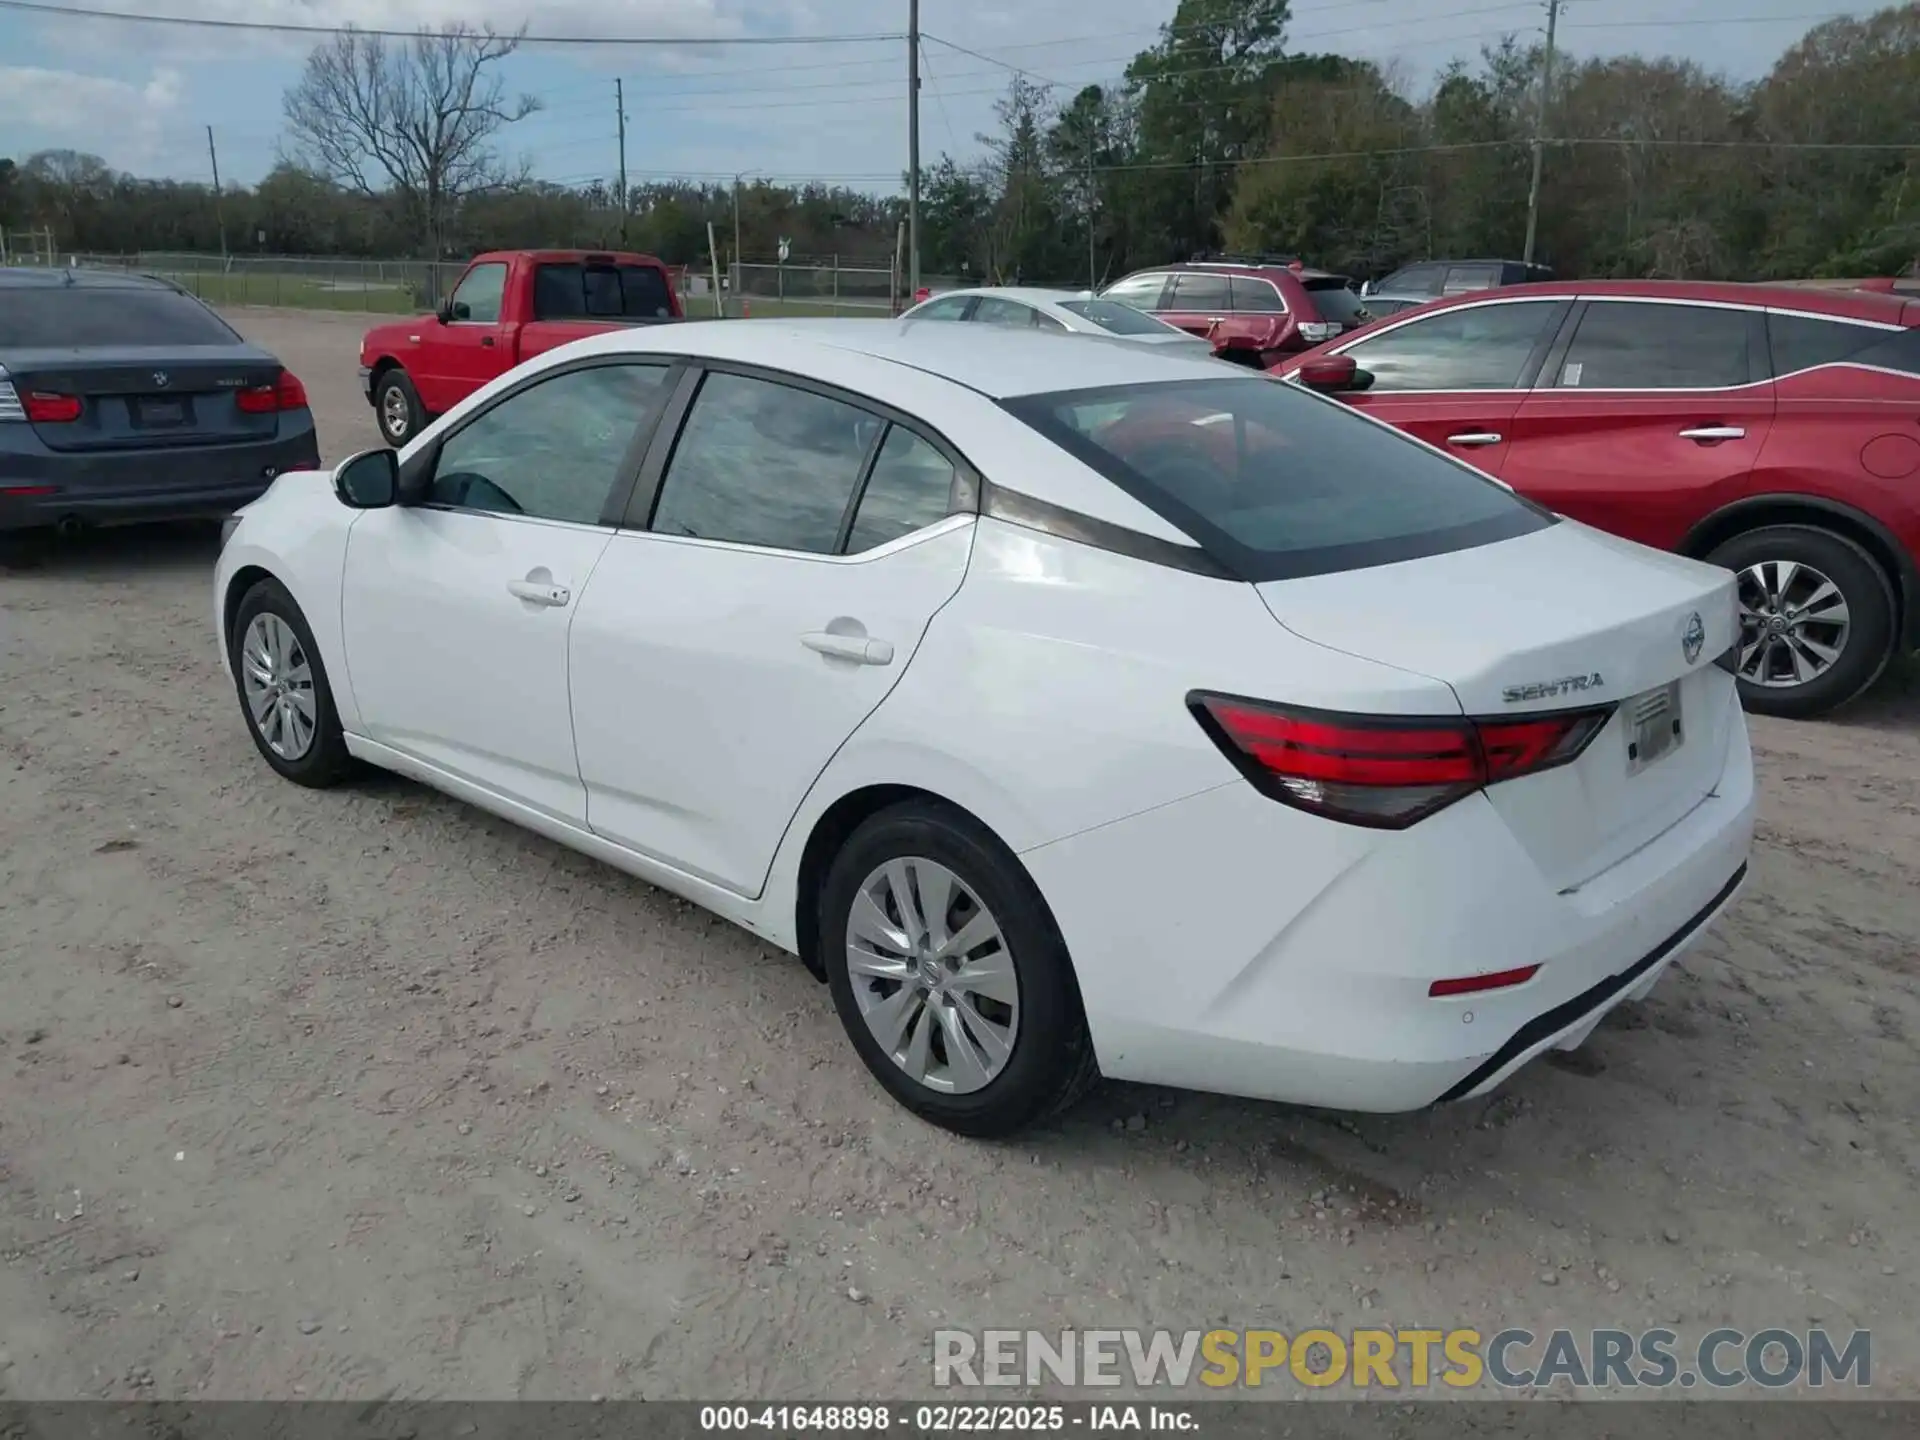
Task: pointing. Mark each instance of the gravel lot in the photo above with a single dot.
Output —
(366, 1094)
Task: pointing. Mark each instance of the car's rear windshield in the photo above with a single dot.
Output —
(1337, 301)
(1274, 482)
(1112, 315)
(574, 291)
(68, 317)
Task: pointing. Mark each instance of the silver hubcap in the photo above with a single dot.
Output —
(932, 976)
(1793, 624)
(279, 686)
(393, 410)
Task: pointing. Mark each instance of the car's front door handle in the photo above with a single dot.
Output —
(857, 648)
(535, 592)
(1708, 434)
(1475, 437)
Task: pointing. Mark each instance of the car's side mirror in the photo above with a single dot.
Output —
(368, 481)
(444, 314)
(1332, 373)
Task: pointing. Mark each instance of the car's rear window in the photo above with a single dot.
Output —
(1112, 315)
(85, 316)
(1274, 482)
(1337, 301)
(573, 291)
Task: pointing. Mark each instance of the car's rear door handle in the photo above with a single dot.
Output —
(1707, 434)
(486, 340)
(857, 648)
(534, 592)
(1475, 437)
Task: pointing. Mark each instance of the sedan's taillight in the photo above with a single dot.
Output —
(287, 393)
(1382, 771)
(45, 407)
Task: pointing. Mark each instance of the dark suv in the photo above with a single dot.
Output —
(1430, 279)
(1256, 309)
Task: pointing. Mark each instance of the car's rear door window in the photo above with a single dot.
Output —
(1252, 295)
(1274, 482)
(910, 488)
(1111, 315)
(762, 463)
(1197, 293)
(84, 316)
(1464, 279)
(1474, 347)
(1416, 280)
(1801, 342)
(1624, 345)
(1008, 314)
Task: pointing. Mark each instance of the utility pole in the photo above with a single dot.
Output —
(1540, 133)
(620, 107)
(1093, 278)
(219, 210)
(913, 148)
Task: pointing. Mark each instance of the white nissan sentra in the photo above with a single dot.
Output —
(1069, 710)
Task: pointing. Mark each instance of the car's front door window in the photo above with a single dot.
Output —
(1475, 347)
(477, 298)
(1142, 292)
(552, 451)
(953, 307)
(1011, 314)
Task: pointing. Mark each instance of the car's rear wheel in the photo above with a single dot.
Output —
(950, 975)
(284, 695)
(1817, 619)
(402, 416)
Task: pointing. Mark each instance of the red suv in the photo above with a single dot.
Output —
(1772, 430)
(1255, 309)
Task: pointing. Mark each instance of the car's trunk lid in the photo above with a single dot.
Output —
(1565, 618)
(146, 397)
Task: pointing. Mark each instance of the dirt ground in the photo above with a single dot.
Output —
(366, 1094)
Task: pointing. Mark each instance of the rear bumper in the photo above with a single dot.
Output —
(41, 487)
(1231, 944)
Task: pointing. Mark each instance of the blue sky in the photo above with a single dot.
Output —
(140, 95)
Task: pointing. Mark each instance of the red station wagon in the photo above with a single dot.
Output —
(1255, 310)
(1771, 429)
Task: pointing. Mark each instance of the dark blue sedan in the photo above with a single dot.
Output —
(123, 398)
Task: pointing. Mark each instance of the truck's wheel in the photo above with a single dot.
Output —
(1817, 619)
(397, 403)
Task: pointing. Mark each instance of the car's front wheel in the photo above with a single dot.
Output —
(950, 975)
(284, 695)
(1817, 619)
(402, 416)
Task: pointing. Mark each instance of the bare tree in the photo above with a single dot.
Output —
(415, 119)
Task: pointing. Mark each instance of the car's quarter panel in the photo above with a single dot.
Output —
(297, 534)
(450, 665)
(701, 710)
(1850, 435)
(1284, 958)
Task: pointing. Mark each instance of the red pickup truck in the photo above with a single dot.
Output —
(509, 306)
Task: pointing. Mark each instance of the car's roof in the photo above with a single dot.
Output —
(25, 277)
(1032, 294)
(991, 360)
(1849, 304)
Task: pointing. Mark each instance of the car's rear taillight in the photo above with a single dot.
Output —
(1318, 330)
(287, 393)
(1386, 772)
(46, 407)
(10, 406)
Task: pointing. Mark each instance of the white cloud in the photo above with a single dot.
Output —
(126, 122)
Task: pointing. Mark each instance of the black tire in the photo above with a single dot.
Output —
(325, 761)
(394, 396)
(1865, 590)
(1052, 1062)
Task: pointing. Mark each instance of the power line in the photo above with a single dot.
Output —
(271, 27)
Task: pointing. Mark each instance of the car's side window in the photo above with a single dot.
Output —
(1416, 280)
(1194, 292)
(1476, 347)
(1256, 296)
(1044, 321)
(477, 297)
(1463, 279)
(911, 486)
(1622, 346)
(991, 310)
(1142, 292)
(762, 463)
(552, 451)
(954, 307)
(1801, 342)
